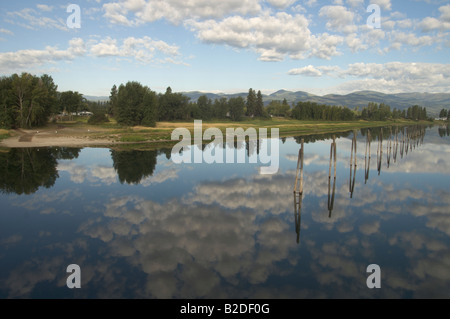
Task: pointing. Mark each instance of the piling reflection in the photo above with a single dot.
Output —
(331, 195)
(397, 140)
(298, 191)
(395, 145)
(380, 152)
(367, 157)
(389, 149)
(353, 165)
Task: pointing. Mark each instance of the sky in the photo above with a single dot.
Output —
(322, 47)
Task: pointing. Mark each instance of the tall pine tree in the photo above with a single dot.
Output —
(251, 103)
(259, 110)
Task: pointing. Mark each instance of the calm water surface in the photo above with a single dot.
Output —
(141, 226)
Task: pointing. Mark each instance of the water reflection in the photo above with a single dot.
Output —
(353, 164)
(444, 130)
(380, 152)
(367, 157)
(298, 191)
(228, 233)
(133, 167)
(24, 171)
(332, 164)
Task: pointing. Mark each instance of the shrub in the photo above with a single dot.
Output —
(98, 118)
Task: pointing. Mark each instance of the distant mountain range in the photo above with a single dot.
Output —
(434, 102)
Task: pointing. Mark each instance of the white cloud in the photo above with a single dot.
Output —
(384, 4)
(31, 19)
(6, 31)
(44, 7)
(176, 11)
(144, 50)
(307, 70)
(445, 13)
(355, 3)
(411, 39)
(324, 46)
(442, 23)
(26, 59)
(339, 19)
(281, 3)
(272, 36)
(106, 47)
(390, 77)
(355, 43)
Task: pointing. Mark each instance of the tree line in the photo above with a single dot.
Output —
(135, 104)
(382, 112)
(30, 101)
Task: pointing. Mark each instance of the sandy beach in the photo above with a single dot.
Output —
(63, 137)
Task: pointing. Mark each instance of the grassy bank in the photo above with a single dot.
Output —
(4, 134)
(286, 128)
(159, 136)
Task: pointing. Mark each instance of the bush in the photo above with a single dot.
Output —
(98, 118)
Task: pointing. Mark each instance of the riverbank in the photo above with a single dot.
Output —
(81, 134)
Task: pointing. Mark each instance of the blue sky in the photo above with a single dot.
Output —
(230, 46)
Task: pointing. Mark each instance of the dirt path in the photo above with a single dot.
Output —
(25, 137)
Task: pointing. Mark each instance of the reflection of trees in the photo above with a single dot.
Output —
(134, 166)
(25, 170)
(444, 130)
(298, 191)
(320, 137)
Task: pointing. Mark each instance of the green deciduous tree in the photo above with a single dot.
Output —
(136, 105)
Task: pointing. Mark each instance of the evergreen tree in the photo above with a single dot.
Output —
(113, 100)
(251, 103)
(259, 105)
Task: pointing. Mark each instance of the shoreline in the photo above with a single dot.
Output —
(81, 135)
